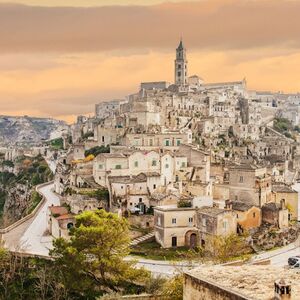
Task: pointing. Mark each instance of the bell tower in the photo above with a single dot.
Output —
(181, 68)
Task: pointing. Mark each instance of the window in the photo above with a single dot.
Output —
(178, 142)
(203, 222)
(118, 167)
(130, 203)
(167, 143)
(122, 187)
(190, 220)
(174, 221)
(179, 66)
(224, 225)
(254, 215)
(100, 166)
(167, 166)
(237, 216)
(99, 177)
(151, 142)
(179, 74)
(183, 164)
(154, 186)
(154, 163)
(136, 164)
(103, 139)
(158, 221)
(140, 200)
(241, 179)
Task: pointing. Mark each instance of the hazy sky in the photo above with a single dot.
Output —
(58, 58)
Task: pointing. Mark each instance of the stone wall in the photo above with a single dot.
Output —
(202, 289)
(144, 221)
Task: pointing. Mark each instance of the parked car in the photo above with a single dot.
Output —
(294, 261)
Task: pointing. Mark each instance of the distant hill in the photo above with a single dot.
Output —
(27, 130)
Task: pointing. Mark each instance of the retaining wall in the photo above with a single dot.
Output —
(31, 215)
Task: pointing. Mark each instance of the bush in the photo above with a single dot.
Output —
(184, 203)
(97, 150)
(8, 163)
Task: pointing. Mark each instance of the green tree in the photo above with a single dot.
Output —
(173, 288)
(225, 248)
(92, 261)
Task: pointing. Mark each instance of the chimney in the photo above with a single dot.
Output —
(283, 290)
(228, 205)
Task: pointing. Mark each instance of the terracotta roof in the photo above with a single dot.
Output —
(58, 210)
(66, 216)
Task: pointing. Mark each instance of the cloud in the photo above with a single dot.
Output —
(59, 62)
(77, 82)
(91, 3)
(207, 24)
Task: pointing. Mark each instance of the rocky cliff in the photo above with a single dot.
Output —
(17, 189)
(27, 130)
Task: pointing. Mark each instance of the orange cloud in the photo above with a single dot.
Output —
(217, 24)
(61, 61)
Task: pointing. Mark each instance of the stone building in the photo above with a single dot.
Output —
(181, 66)
(249, 184)
(60, 221)
(248, 216)
(191, 227)
(289, 195)
(107, 109)
(275, 214)
(212, 221)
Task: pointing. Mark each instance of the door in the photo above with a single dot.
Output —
(174, 241)
(193, 240)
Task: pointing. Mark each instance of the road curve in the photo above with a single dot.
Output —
(34, 240)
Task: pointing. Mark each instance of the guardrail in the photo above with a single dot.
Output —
(32, 214)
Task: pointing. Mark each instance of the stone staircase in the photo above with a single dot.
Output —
(141, 239)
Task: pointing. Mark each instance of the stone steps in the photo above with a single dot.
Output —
(142, 239)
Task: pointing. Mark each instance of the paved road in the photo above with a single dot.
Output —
(33, 240)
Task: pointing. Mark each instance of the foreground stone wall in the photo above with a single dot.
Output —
(202, 289)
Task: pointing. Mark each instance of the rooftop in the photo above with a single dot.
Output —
(58, 210)
(240, 206)
(65, 217)
(283, 189)
(212, 211)
(256, 282)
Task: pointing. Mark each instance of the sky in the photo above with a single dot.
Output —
(58, 58)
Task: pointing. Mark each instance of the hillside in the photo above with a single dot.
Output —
(27, 130)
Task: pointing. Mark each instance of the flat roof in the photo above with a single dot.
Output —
(255, 282)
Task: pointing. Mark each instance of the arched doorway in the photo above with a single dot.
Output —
(191, 239)
(70, 225)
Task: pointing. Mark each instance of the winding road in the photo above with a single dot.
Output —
(30, 237)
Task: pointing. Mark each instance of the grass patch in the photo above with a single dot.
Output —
(57, 144)
(36, 198)
(143, 230)
(152, 250)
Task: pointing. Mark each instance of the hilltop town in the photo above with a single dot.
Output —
(189, 164)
